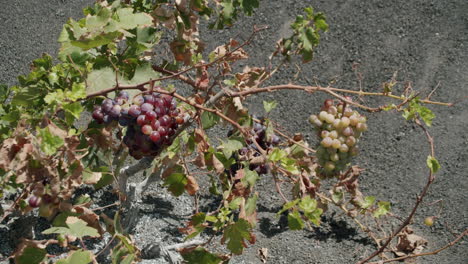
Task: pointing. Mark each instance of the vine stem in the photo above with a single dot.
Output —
(419, 199)
(437, 251)
(331, 91)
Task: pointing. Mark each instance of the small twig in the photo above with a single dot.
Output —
(426, 253)
(419, 199)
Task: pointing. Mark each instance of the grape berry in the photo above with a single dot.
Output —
(151, 120)
(339, 128)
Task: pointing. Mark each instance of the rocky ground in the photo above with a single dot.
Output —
(424, 41)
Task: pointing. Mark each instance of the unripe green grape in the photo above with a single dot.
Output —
(429, 221)
(323, 115)
(329, 118)
(348, 112)
(332, 110)
(348, 131)
(333, 134)
(318, 123)
(312, 119)
(361, 127)
(344, 148)
(329, 166)
(351, 141)
(336, 124)
(342, 139)
(353, 120)
(327, 142)
(334, 157)
(362, 119)
(336, 144)
(344, 122)
(340, 108)
(324, 133)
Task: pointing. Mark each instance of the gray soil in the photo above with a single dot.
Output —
(425, 41)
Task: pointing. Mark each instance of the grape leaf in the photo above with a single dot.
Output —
(433, 164)
(31, 255)
(307, 204)
(382, 209)
(368, 202)
(230, 146)
(235, 235)
(209, 119)
(100, 79)
(200, 255)
(268, 106)
(77, 257)
(295, 221)
(176, 183)
(50, 143)
(249, 6)
(129, 20)
(75, 227)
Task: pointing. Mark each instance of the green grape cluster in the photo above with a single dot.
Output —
(339, 129)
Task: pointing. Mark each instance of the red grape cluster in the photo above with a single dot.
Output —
(152, 119)
(259, 135)
(339, 128)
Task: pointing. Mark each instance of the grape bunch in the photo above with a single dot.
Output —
(151, 120)
(339, 128)
(259, 135)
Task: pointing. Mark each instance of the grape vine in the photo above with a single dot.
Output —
(48, 150)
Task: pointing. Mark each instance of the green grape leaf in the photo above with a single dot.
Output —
(72, 112)
(176, 183)
(201, 255)
(209, 119)
(416, 109)
(197, 222)
(433, 164)
(77, 257)
(314, 216)
(295, 221)
(96, 41)
(231, 145)
(382, 209)
(129, 20)
(50, 143)
(31, 255)
(100, 79)
(337, 197)
(268, 106)
(277, 155)
(235, 234)
(368, 202)
(287, 206)
(249, 6)
(75, 227)
(250, 177)
(307, 204)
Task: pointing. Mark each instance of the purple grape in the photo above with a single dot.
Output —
(134, 111)
(123, 94)
(141, 120)
(164, 120)
(146, 107)
(149, 99)
(115, 111)
(155, 137)
(138, 100)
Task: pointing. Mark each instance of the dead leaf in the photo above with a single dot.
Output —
(192, 185)
(263, 254)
